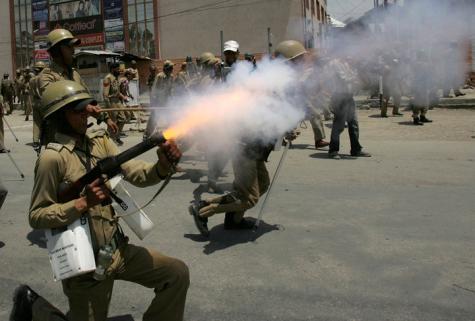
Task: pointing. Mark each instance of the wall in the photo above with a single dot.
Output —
(5, 38)
(192, 27)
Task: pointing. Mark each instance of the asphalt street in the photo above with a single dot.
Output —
(389, 237)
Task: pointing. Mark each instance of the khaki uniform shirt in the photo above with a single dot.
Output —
(19, 84)
(65, 161)
(8, 89)
(55, 73)
(111, 90)
(162, 88)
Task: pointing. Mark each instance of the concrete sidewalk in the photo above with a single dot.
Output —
(466, 101)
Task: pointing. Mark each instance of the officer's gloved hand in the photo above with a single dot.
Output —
(168, 155)
(209, 210)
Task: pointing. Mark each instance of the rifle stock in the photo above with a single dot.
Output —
(109, 166)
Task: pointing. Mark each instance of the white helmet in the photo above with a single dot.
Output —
(231, 45)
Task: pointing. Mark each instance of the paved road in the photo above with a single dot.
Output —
(385, 238)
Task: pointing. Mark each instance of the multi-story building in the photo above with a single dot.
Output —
(159, 29)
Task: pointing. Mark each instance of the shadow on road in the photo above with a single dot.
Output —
(194, 175)
(37, 237)
(127, 317)
(302, 146)
(325, 156)
(375, 116)
(2, 244)
(406, 123)
(221, 239)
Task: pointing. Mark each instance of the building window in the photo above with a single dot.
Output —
(141, 28)
(23, 33)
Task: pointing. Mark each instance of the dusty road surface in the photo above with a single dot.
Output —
(389, 237)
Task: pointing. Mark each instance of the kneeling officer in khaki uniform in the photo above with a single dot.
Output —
(65, 160)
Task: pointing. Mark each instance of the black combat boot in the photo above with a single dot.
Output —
(201, 223)
(417, 121)
(23, 300)
(425, 120)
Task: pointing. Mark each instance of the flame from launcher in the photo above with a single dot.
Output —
(208, 111)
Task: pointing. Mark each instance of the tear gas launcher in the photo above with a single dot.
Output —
(109, 166)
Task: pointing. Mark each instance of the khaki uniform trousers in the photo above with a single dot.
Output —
(28, 104)
(2, 133)
(3, 194)
(36, 123)
(420, 103)
(387, 94)
(117, 116)
(89, 299)
(317, 126)
(251, 181)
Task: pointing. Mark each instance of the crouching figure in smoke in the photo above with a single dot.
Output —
(251, 180)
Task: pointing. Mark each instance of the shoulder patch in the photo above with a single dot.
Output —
(55, 146)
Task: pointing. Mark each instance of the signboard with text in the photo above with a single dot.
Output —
(82, 18)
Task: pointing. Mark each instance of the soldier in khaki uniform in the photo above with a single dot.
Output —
(214, 153)
(309, 88)
(61, 49)
(162, 90)
(422, 86)
(113, 99)
(18, 82)
(8, 93)
(251, 178)
(2, 131)
(66, 160)
(35, 99)
(182, 79)
(28, 104)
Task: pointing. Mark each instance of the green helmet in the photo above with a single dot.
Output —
(58, 35)
(61, 93)
(168, 63)
(289, 49)
(39, 65)
(207, 58)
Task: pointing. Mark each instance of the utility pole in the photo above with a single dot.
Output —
(221, 37)
(269, 42)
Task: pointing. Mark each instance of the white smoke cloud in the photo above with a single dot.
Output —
(253, 104)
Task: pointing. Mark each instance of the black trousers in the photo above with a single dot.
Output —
(344, 110)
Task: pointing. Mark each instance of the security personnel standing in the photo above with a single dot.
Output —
(2, 131)
(295, 52)
(66, 160)
(27, 76)
(19, 86)
(113, 99)
(8, 93)
(231, 56)
(61, 45)
(341, 80)
(162, 90)
(35, 98)
(214, 155)
(183, 78)
(133, 66)
(151, 78)
(422, 85)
